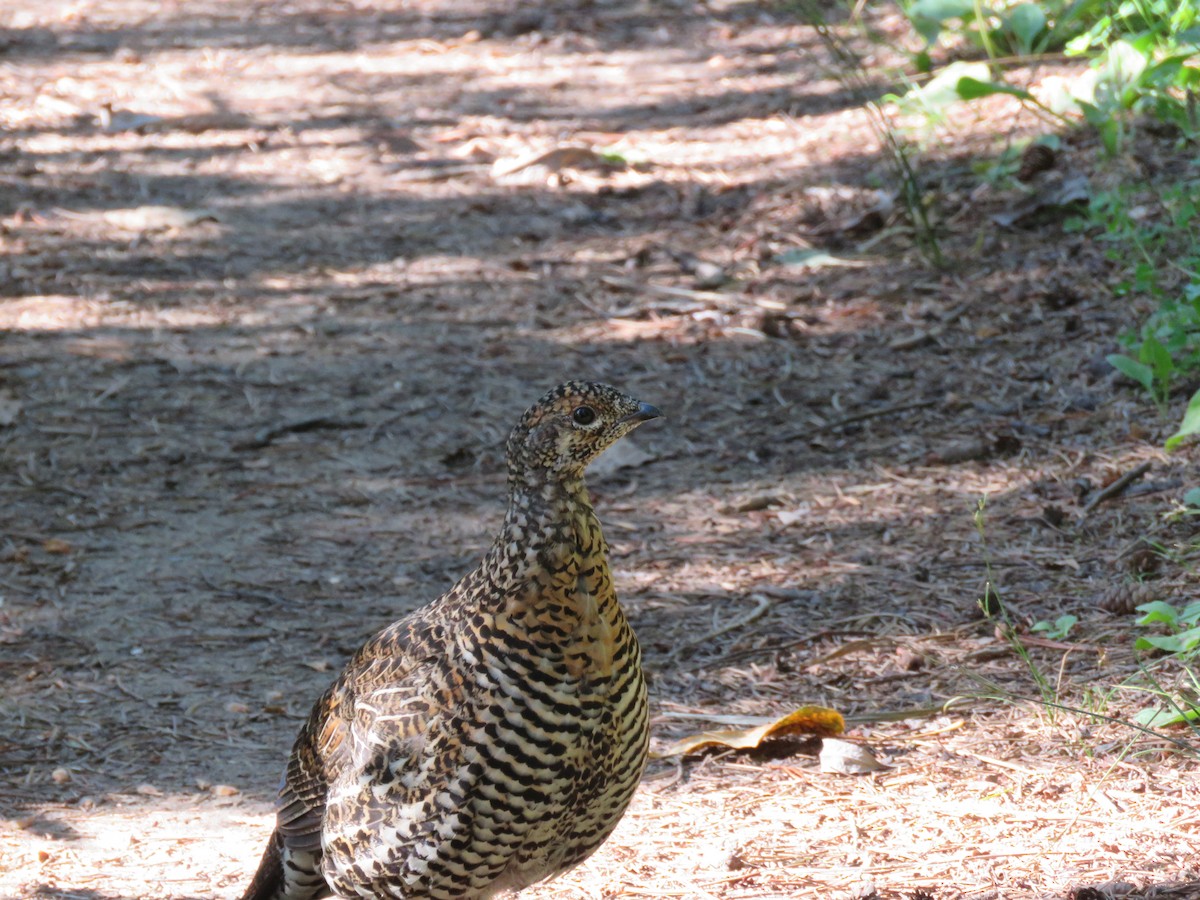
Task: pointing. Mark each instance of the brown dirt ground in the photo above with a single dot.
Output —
(275, 283)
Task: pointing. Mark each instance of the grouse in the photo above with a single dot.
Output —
(493, 738)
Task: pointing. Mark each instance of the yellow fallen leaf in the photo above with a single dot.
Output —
(814, 720)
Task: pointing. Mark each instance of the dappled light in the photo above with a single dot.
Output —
(275, 280)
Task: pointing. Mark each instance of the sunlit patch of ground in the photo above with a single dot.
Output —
(278, 279)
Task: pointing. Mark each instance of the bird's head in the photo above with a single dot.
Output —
(569, 427)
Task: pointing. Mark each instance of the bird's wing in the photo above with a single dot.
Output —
(379, 679)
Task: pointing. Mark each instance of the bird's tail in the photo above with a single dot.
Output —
(286, 874)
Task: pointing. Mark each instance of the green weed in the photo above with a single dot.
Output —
(1172, 631)
(1172, 707)
(994, 610)
(1142, 56)
(1175, 632)
(1181, 627)
(1057, 630)
(1156, 245)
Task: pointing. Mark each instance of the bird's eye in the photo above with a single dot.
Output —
(584, 415)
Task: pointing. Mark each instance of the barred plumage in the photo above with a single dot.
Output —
(493, 738)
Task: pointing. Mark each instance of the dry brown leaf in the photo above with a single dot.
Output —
(815, 720)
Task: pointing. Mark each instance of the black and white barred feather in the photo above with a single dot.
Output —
(494, 738)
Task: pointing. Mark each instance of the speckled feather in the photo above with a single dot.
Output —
(494, 738)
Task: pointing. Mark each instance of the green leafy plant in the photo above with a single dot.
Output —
(1057, 630)
(957, 82)
(1188, 427)
(1153, 368)
(1021, 28)
(1156, 242)
(1142, 55)
(1131, 78)
(1182, 628)
(1176, 633)
(1180, 707)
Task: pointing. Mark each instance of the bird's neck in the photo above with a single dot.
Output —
(554, 584)
(550, 525)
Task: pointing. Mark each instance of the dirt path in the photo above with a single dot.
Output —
(276, 279)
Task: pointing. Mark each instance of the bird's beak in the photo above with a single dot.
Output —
(645, 412)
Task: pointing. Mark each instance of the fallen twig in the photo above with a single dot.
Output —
(1116, 488)
(763, 603)
(240, 593)
(860, 417)
(407, 175)
(666, 290)
(1046, 644)
(266, 436)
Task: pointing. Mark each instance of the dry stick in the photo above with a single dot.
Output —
(1046, 644)
(900, 715)
(1116, 488)
(763, 604)
(240, 593)
(861, 416)
(668, 290)
(265, 436)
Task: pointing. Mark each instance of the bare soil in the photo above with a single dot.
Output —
(277, 277)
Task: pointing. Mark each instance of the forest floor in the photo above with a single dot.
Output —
(277, 277)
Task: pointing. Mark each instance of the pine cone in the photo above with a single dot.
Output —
(1124, 598)
(1036, 158)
